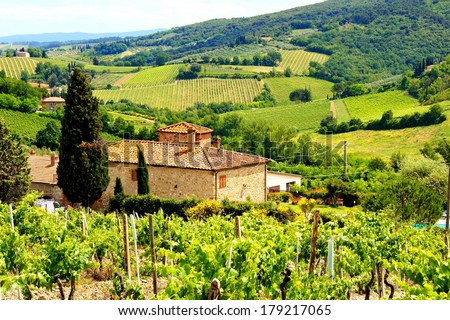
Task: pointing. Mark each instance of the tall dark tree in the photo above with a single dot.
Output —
(14, 172)
(142, 174)
(118, 188)
(83, 166)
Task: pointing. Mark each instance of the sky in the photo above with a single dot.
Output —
(98, 16)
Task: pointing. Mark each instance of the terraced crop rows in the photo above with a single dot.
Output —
(303, 116)
(102, 80)
(14, 66)
(151, 76)
(372, 106)
(182, 94)
(298, 60)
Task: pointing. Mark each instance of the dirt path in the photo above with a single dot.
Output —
(333, 109)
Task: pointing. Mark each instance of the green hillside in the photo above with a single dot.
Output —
(24, 124)
(282, 87)
(13, 67)
(305, 116)
(186, 93)
(366, 40)
(372, 106)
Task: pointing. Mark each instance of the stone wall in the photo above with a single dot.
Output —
(164, 181)
(242, 183)
(50, 190)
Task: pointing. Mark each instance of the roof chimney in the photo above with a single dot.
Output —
(216, 142)
(191, 139)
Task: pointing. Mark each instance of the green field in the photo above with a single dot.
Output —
(185, 93)
(366, 143)
(305, 116)
(101, 80)
(212, 69)
(24, 124)
(372, 106)
(342, 114)
(153, 76)
(298, 60)
(14, 66)
(282, 87)
(138, 122)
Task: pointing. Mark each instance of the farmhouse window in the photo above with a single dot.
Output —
(133, 175)
(222, 181)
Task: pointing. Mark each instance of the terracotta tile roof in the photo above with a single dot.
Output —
(184, 127)
(177, 155)
(54, 99)
(42, 170)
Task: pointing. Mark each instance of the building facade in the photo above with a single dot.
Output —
(183, 163)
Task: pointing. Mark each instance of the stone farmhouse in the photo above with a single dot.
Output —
(184, 162)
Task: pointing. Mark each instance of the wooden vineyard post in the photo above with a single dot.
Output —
(315, 234)
(152, 248)
(11, 215)
(136, 255)
(126, 247)
(287, 277)
(238, 227)
(380, 277)
(297, 253)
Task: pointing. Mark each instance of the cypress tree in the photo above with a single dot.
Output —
(142, 174)
(14, 172)
(83, 166)
(118, 188)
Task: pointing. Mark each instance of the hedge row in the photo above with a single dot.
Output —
(147, 204)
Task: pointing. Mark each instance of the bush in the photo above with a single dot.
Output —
(205, 209)
(280, 196)
(300, 95)
(144, 204)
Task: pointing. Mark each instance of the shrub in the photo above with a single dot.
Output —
(282, 196)
(205, 209)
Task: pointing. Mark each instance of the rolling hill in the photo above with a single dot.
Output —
(367, 40)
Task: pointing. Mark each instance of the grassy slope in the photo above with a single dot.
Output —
(304, 116)
(342, 114)
(24, 124)
(154, 76)
(186, 93)
(384, 143)
(298, 60)
(282, 87)
(14, 66)
(372, 106)
(138, 122)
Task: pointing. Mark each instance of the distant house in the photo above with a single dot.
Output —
(52, 103)
(22, 54)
